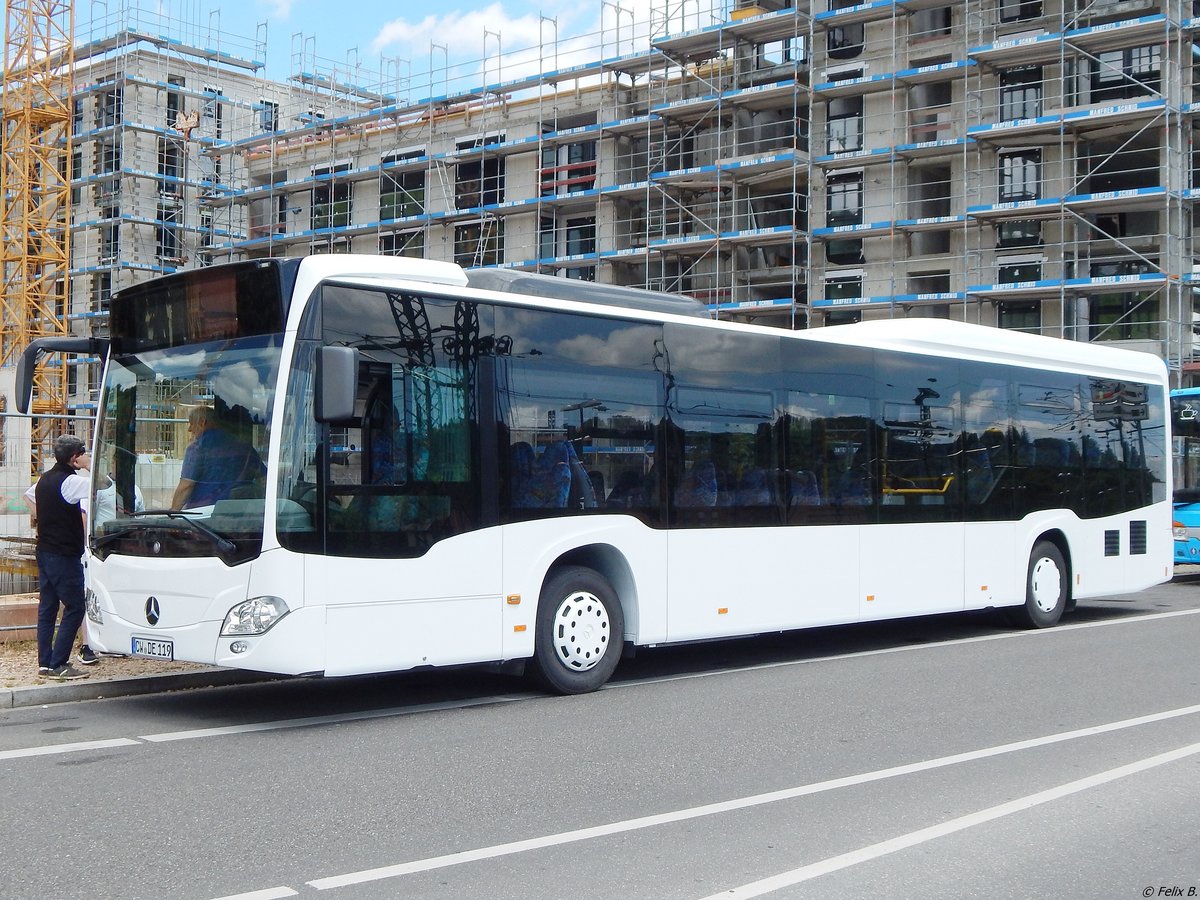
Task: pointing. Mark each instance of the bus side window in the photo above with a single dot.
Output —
(828, 457)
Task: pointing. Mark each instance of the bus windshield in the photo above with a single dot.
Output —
(185, 416)
(1185, 421)
(182, 442)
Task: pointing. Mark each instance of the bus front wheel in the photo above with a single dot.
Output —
(1047, 584)
(580, 631)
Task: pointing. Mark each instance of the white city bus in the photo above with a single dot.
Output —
(491, 467)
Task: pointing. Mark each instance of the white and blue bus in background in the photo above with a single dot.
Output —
(462, 467)
(1185, 430)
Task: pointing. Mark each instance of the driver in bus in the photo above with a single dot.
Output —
(215, 463)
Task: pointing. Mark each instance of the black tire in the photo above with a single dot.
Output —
(1047, 588)
(580, 631)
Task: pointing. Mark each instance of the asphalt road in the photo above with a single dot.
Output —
(943, 757)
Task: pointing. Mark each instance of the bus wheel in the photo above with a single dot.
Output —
(580, 631)
(1046, 588)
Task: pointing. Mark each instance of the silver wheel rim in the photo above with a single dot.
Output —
(581, 631)
(1045, 584)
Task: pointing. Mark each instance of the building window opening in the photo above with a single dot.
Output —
(1020, 176)
(1020, 315)
(844, 196)
(401, 193)
(331, 198)
(845, 124)
(1020, 93)
(403, 243)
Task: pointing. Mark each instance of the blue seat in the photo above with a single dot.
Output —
(755, 489)
(804, 489)
(698, 487)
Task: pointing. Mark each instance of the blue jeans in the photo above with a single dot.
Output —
(61, 582)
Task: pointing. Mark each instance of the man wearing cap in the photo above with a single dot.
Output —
(58, 516)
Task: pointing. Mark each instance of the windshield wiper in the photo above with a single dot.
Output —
(99, 543)
(224, 546)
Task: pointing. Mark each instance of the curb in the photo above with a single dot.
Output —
(38, 695)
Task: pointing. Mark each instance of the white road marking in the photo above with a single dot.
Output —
(483, 701)
(165, 737)
(274, 893)
(904, 648)
(583, 834)
(51, 749)
(324, 720)
(913, 838)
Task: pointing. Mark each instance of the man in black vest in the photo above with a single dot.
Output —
(59, 520)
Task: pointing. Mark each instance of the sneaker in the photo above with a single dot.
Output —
(43, 671)
(87, 656)
(65, 673)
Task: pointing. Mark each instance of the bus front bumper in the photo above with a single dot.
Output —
(294, 645)
(1187, 553)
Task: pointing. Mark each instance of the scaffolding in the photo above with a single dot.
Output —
(35, 210)
(1022, 163)
(1025, 164)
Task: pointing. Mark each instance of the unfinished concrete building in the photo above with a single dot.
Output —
(1019, 163)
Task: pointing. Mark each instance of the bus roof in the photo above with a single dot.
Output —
(966, 341)
(529, 284)
(941, 337)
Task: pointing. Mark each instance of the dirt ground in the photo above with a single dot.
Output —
(19, 667)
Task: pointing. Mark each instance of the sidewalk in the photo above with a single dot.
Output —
(99, 688)
(116, 676)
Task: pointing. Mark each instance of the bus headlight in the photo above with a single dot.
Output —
(92, 605)
(1177, 528)
(254, 616)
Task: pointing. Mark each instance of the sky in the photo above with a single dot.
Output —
(477, 41)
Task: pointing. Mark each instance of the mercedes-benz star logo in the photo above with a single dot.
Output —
(152, 611)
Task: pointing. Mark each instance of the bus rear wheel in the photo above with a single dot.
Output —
(580, 631)
(1047, 585)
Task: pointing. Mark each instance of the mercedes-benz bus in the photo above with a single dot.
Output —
(447, 467)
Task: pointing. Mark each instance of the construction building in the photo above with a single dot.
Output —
(1017, 163)
(1024, 164)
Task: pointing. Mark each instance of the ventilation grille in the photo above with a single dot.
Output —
(1137, 537)
(1112, 543)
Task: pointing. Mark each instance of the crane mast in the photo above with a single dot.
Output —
(35, 200)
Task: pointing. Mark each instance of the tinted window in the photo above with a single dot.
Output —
(830, 466)
(920, 444)
(723, 444)
(406, 472)
(216, 304)
(989, 479)
(579, 402)
(1046, 443)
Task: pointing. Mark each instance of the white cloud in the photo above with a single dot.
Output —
(277, 9)
(491, 45)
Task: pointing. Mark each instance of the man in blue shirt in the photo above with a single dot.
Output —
(214, 464)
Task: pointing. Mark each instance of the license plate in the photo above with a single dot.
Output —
(153, 648)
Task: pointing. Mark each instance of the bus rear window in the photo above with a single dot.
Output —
(203, 305)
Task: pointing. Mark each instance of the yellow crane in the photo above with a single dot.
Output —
(35, 197)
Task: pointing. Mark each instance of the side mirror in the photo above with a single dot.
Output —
(337, 383)
(28, 361)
